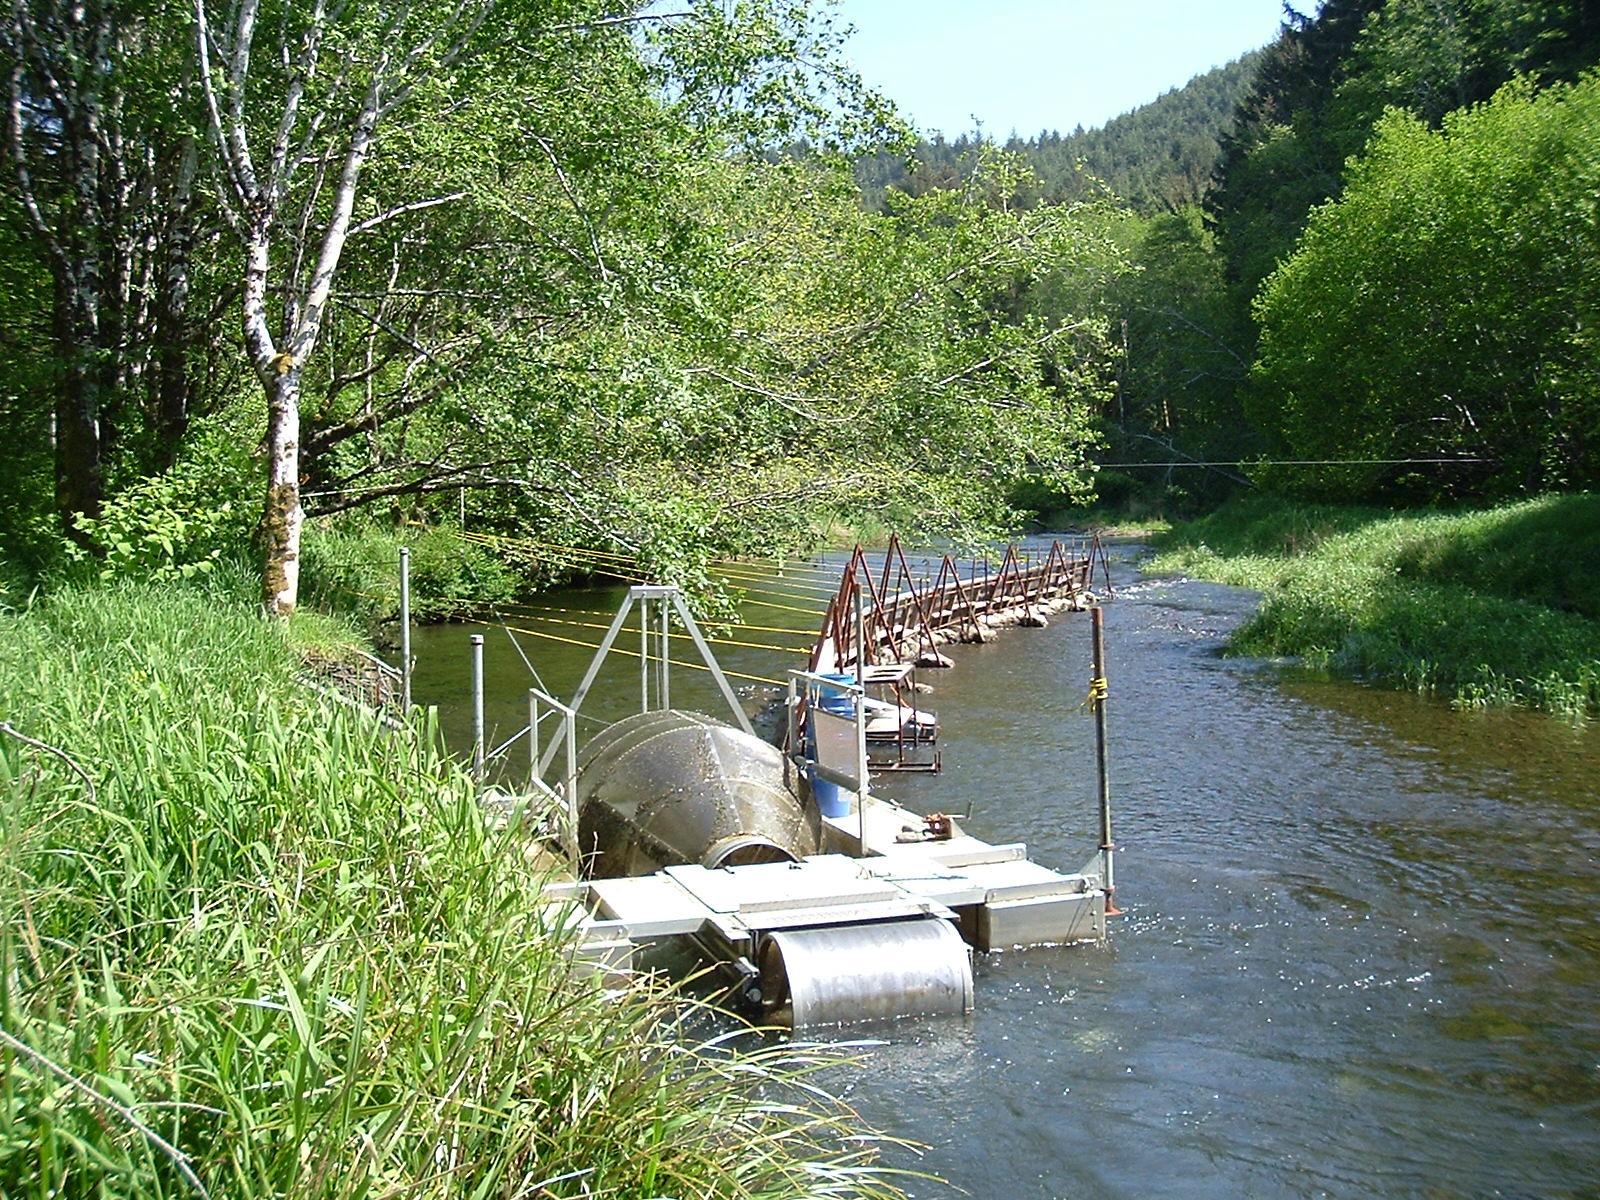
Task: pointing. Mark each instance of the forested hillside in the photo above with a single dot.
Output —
(540, 269)
(1158, 157)
(1395, 265)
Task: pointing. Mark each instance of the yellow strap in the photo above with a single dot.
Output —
(682, 637)
(580, 554)
(555, 637)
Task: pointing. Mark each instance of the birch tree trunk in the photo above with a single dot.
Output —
(283, 516)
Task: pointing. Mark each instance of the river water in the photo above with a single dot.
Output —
(1360, 954)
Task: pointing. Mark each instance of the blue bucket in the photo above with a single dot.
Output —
(830, 692)
(832, 800)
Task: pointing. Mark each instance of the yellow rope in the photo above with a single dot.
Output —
(492, 539)
(529, 609)
(603, 560)
(579, 555)
(1098, 691)
(682, 637)
(797, 565)
(556, 637)
(810, 612)
(567, 557)
(781, 587)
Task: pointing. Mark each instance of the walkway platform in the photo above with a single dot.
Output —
(993, 894)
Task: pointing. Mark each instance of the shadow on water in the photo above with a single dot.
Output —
(1360, 953)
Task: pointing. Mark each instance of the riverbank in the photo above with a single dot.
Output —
(253, 945)
(1492, 607)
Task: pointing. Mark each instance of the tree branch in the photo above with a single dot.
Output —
(446, 479)
(402, 209)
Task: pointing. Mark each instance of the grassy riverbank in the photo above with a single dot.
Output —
(251, 945)
(1492, 607)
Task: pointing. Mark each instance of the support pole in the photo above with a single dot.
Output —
(666, 655)
(791, 739)
(405, 629)
(569, 784)
(644, 656)
(862, 785)
(861, 637)
(686, 619)
(477, 709)
(1097, 694)
(533, 736)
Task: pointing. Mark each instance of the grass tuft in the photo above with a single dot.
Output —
(1489, 608)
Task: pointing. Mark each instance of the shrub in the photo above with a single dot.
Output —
(354, 567)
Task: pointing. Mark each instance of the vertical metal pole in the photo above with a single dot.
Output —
(791, 736)
(405, 629)
(666, 655)
(644, 655)
(1097, 692)
(477, 708)
(861, 636)
(569, 784)
(533, 736)
(861, 734)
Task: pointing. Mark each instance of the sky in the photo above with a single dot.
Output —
(1030, 65)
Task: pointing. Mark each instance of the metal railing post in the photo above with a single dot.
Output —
(666, 655)
(477, 709)
(533, 735)
(862, 785)
(644, 655)
(791, 736)
(405, 629)
(570, 786)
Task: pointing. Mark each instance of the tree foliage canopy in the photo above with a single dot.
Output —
(1445, 305)
(561, 257)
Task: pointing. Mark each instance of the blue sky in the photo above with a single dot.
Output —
(1043, 64)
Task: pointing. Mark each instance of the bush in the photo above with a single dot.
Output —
(1483, 607)
(180, 524)
(353, 566)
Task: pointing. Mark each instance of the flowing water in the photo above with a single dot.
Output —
(1360, 955)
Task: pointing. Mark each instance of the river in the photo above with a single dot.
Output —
(1360, 954)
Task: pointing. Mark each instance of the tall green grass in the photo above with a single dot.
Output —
(259, 947)
(1493, 607)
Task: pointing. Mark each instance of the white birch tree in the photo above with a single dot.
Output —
(296, 95)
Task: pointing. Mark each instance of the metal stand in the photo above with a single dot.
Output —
(478, 748)
(1097, 699)
(565, 791)
(658, 604)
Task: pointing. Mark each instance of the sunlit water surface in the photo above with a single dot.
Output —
(1360, 954)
